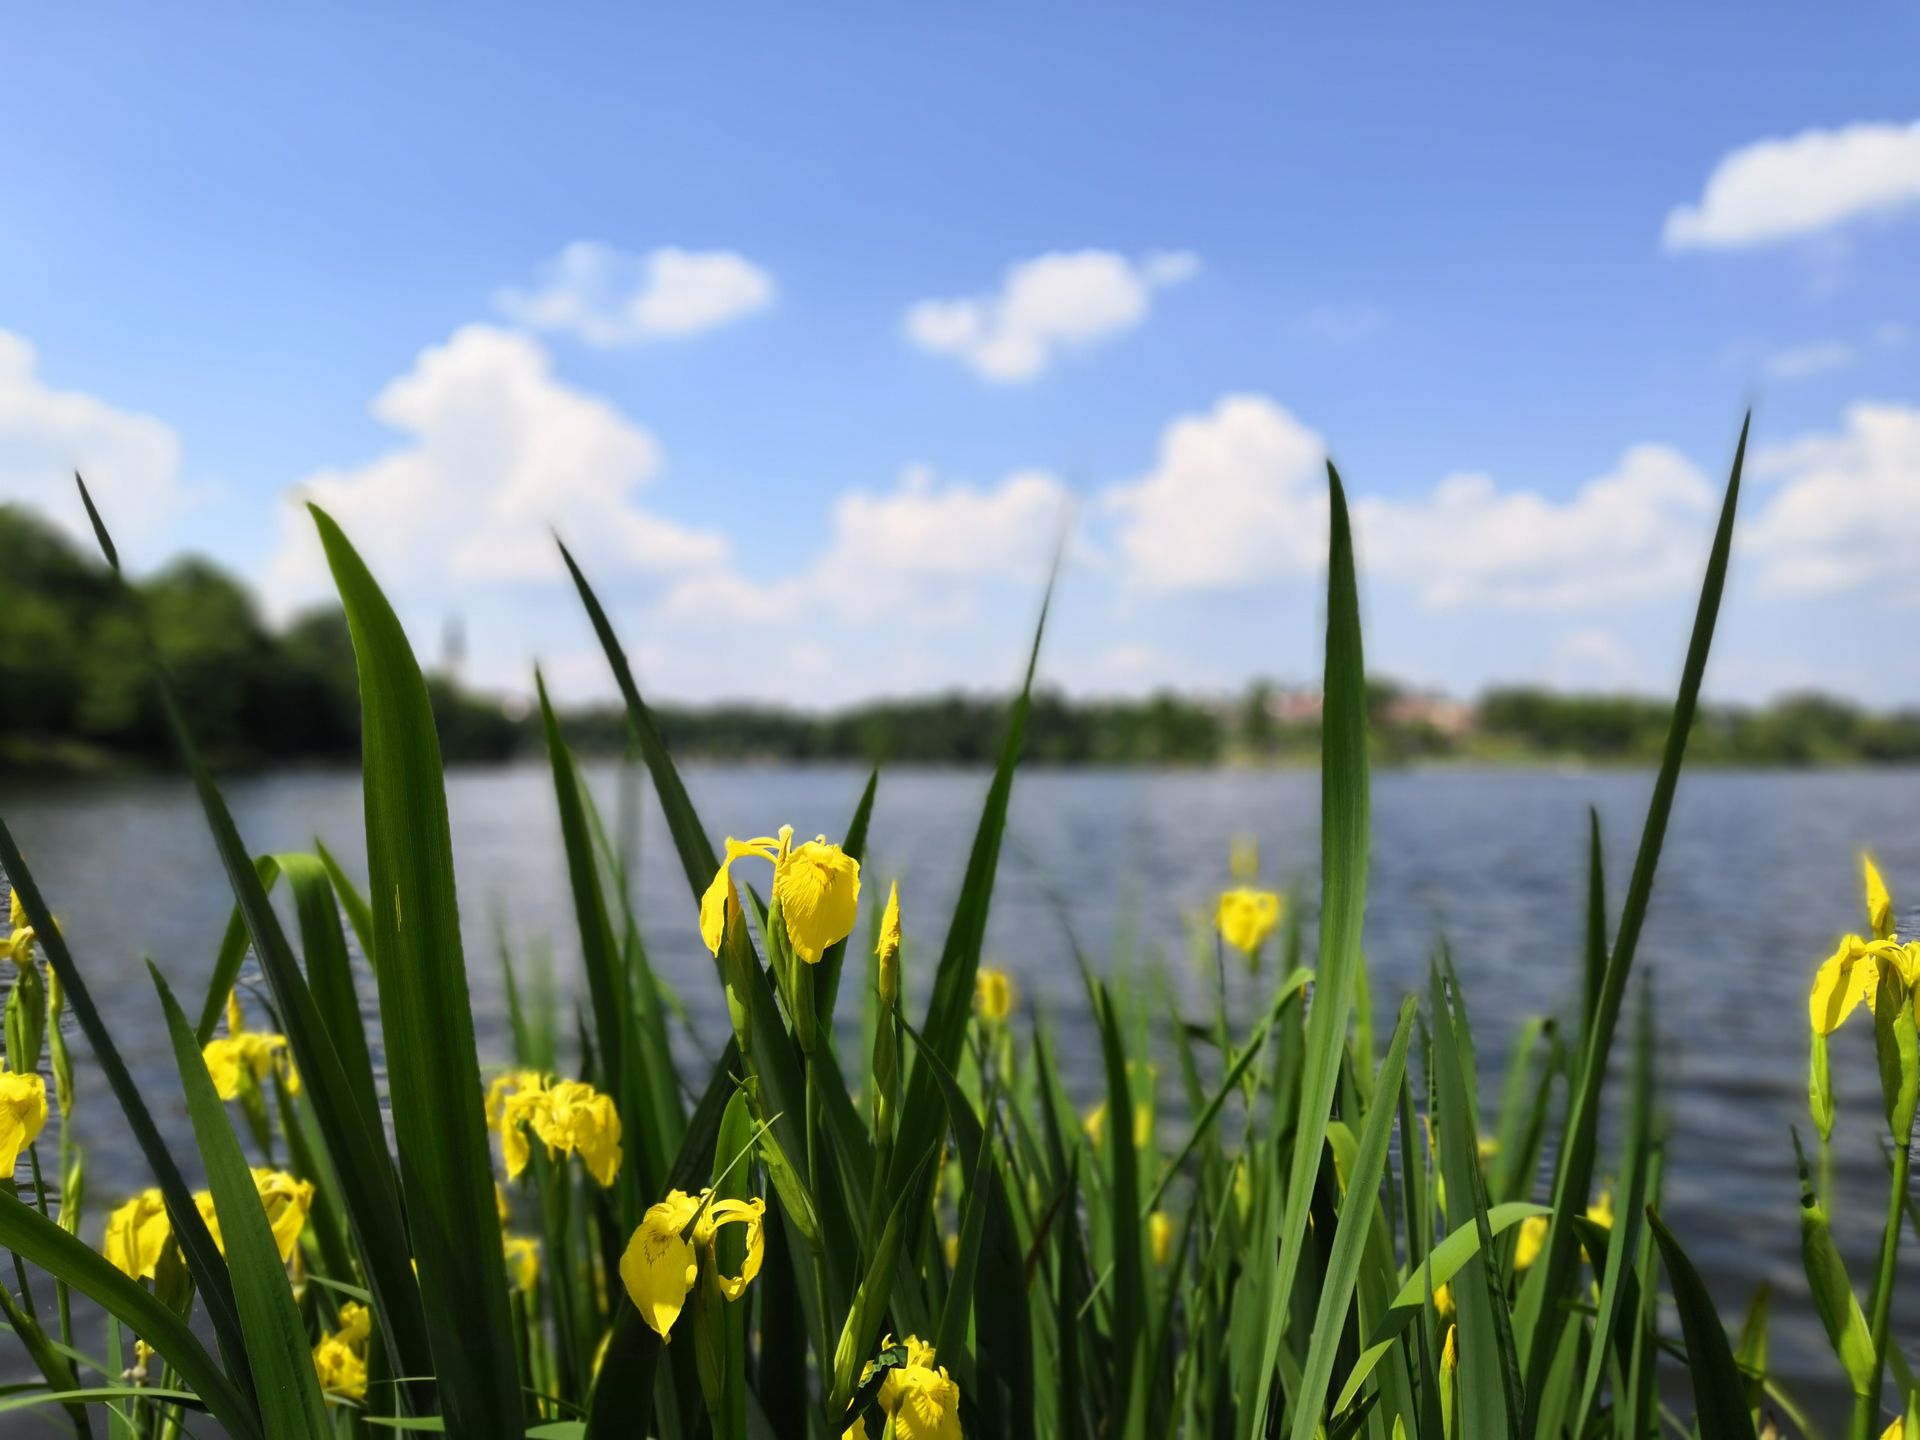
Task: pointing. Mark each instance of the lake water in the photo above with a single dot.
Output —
(1759, 875)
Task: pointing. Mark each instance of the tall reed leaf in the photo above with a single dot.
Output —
(1719, 1394)
(1574, 1176)
(1343, 895)
(433, 1071)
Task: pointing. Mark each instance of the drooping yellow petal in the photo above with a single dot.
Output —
(659, 1267)
(1879, 902)
(1848, 976)
(1246, 917)
(23, 1114)
(720, 906)
(818, 887)
(287, 1202)
(137, 1233)
(752, 1214)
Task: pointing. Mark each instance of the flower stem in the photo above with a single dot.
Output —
(1866, 1410)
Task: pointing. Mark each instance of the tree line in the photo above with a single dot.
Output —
(74, 694)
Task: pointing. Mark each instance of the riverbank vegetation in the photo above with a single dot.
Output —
(1293, 1206)
(79, 699)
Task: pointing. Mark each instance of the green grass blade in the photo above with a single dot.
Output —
(1574, 1174)
(204, 1261)
(330, 980)
(30, 1234)
(826, 984)
(1343, 894)
(1357, 1214)
(359, 914)
(231, 956)
(1719, 1394)
(277, 1345)
(433, 1071)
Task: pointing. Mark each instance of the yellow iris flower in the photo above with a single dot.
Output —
(888, 950)
(994, 995)
(569, 1117)
(287, 1202)
(523, 1262)
(1245, 917)
(137, 1234)
(242, 1056)
(1852, 973)
(23, 1114)
(17, 945)
(817, 885)
(356, 1325)
(1533, 1239)
(661, 1264)
(341, 1372)
(919, 1397)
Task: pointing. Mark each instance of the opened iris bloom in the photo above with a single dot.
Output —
(1852, 973)
(993, 995)
(286, 1199)
(340, 1359)
(244, 1057)
(569, 1117)
(137, 1234)
(816, 884)
(919, 1397)
(664, 1258)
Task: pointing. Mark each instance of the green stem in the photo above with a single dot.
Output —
(61, 1298)
(1866, 1410)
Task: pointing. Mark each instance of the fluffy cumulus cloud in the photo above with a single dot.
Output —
(1776, 189)
(1237, 497)
(131, 461)
(1052, 303)
(1842, 511)
(915, 551)
(1631, 534)
(497, 454)
(611, 297)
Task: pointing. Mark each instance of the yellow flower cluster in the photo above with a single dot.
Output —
(568, 1116)
(244, 1057)
(662, 1262)
(919, 1397)
(1852, 973)
(816, 885)
(138, 1232)
(340, 1359)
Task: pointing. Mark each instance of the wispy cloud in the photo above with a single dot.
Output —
(1052, 303)
(611, 297)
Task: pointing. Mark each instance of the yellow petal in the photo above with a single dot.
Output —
(1533, 1237)
(752, 1214)
(993, 994)
(818, 887)
(23, 1115)
(658, 1267)
(136, 1235)
(1160, 1234)
(1246, 917)
(1847, 977)
(1879, 902)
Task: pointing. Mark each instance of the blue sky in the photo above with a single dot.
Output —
(811, 332)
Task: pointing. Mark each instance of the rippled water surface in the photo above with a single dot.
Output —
(1759, 875)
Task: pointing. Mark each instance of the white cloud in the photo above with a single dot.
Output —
(498, 454)
(1633, 533)
(914, 551)
(610, 297)
(1775, 189)
(1061, 301)
(131, 461)
(1800, 361)
(1237, 497)
(1845, 508)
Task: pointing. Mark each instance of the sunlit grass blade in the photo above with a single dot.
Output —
(826, 984)
(1357, 1215)
(1720, 1401)
(432, 1066)
(277, 1345)
(1343, 894)
(336, 999)
(359, 914)
(1573, 1176)
(25, 1231)
(231, 956)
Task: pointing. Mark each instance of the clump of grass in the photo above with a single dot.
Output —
(915, 1236)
